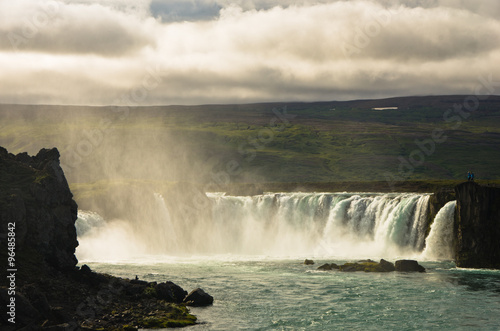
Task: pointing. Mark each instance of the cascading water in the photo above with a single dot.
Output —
(320, 224)
(440, 239)
(340, 225)
(101, 240)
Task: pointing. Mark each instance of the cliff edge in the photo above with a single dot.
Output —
(44, 289)
(477, 226)
(36, 199)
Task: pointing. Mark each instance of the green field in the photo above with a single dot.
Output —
(425, 139)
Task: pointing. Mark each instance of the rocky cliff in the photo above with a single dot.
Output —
(477, 226)
(36, 199)
(45, 290)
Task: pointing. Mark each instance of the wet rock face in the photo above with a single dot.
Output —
(36, 198)
(477, 226)
(198, 298)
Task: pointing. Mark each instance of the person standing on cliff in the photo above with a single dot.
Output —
(469, 176)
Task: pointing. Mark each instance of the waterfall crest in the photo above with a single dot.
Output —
(320, 224)
(333, 225)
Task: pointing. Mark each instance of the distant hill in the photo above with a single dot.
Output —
(396, 139)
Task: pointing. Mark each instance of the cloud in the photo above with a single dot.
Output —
(56, 27)
(204, 51)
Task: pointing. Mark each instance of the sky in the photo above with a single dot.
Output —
(164, 52)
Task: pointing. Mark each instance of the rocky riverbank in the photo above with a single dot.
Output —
(45, 289)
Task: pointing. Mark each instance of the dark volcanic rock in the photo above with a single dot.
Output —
(477, 226)
(308, 262)
(387, 266)
(352, 267)
(37, 299)
(198, 297)
(36, 197)
(51, 293)
(368, 266)
(23, 313)
(170, 292)
(409, 266)
(328, 267)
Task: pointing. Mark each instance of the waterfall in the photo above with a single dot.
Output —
(333, 225)
(440, 239)
(101, 240)
(320, 224)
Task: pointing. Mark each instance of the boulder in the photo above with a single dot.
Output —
(351, 267)
(368, 266)
(328, 267)
(409, 266)
(387, 266)
(85, 270)
(170, 292)
(308, 262)
(198, 297)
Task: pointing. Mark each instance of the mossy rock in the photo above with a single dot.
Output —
(368, 266)
(372, 267)
(328, 267)
(351, 267)
(177, 316)
(150, 291)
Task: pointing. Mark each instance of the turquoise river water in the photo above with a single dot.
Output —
(248, 253)
(266, 294)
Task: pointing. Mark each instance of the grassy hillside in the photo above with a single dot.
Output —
(426, 138)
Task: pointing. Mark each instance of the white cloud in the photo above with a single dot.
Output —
(95, 52)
